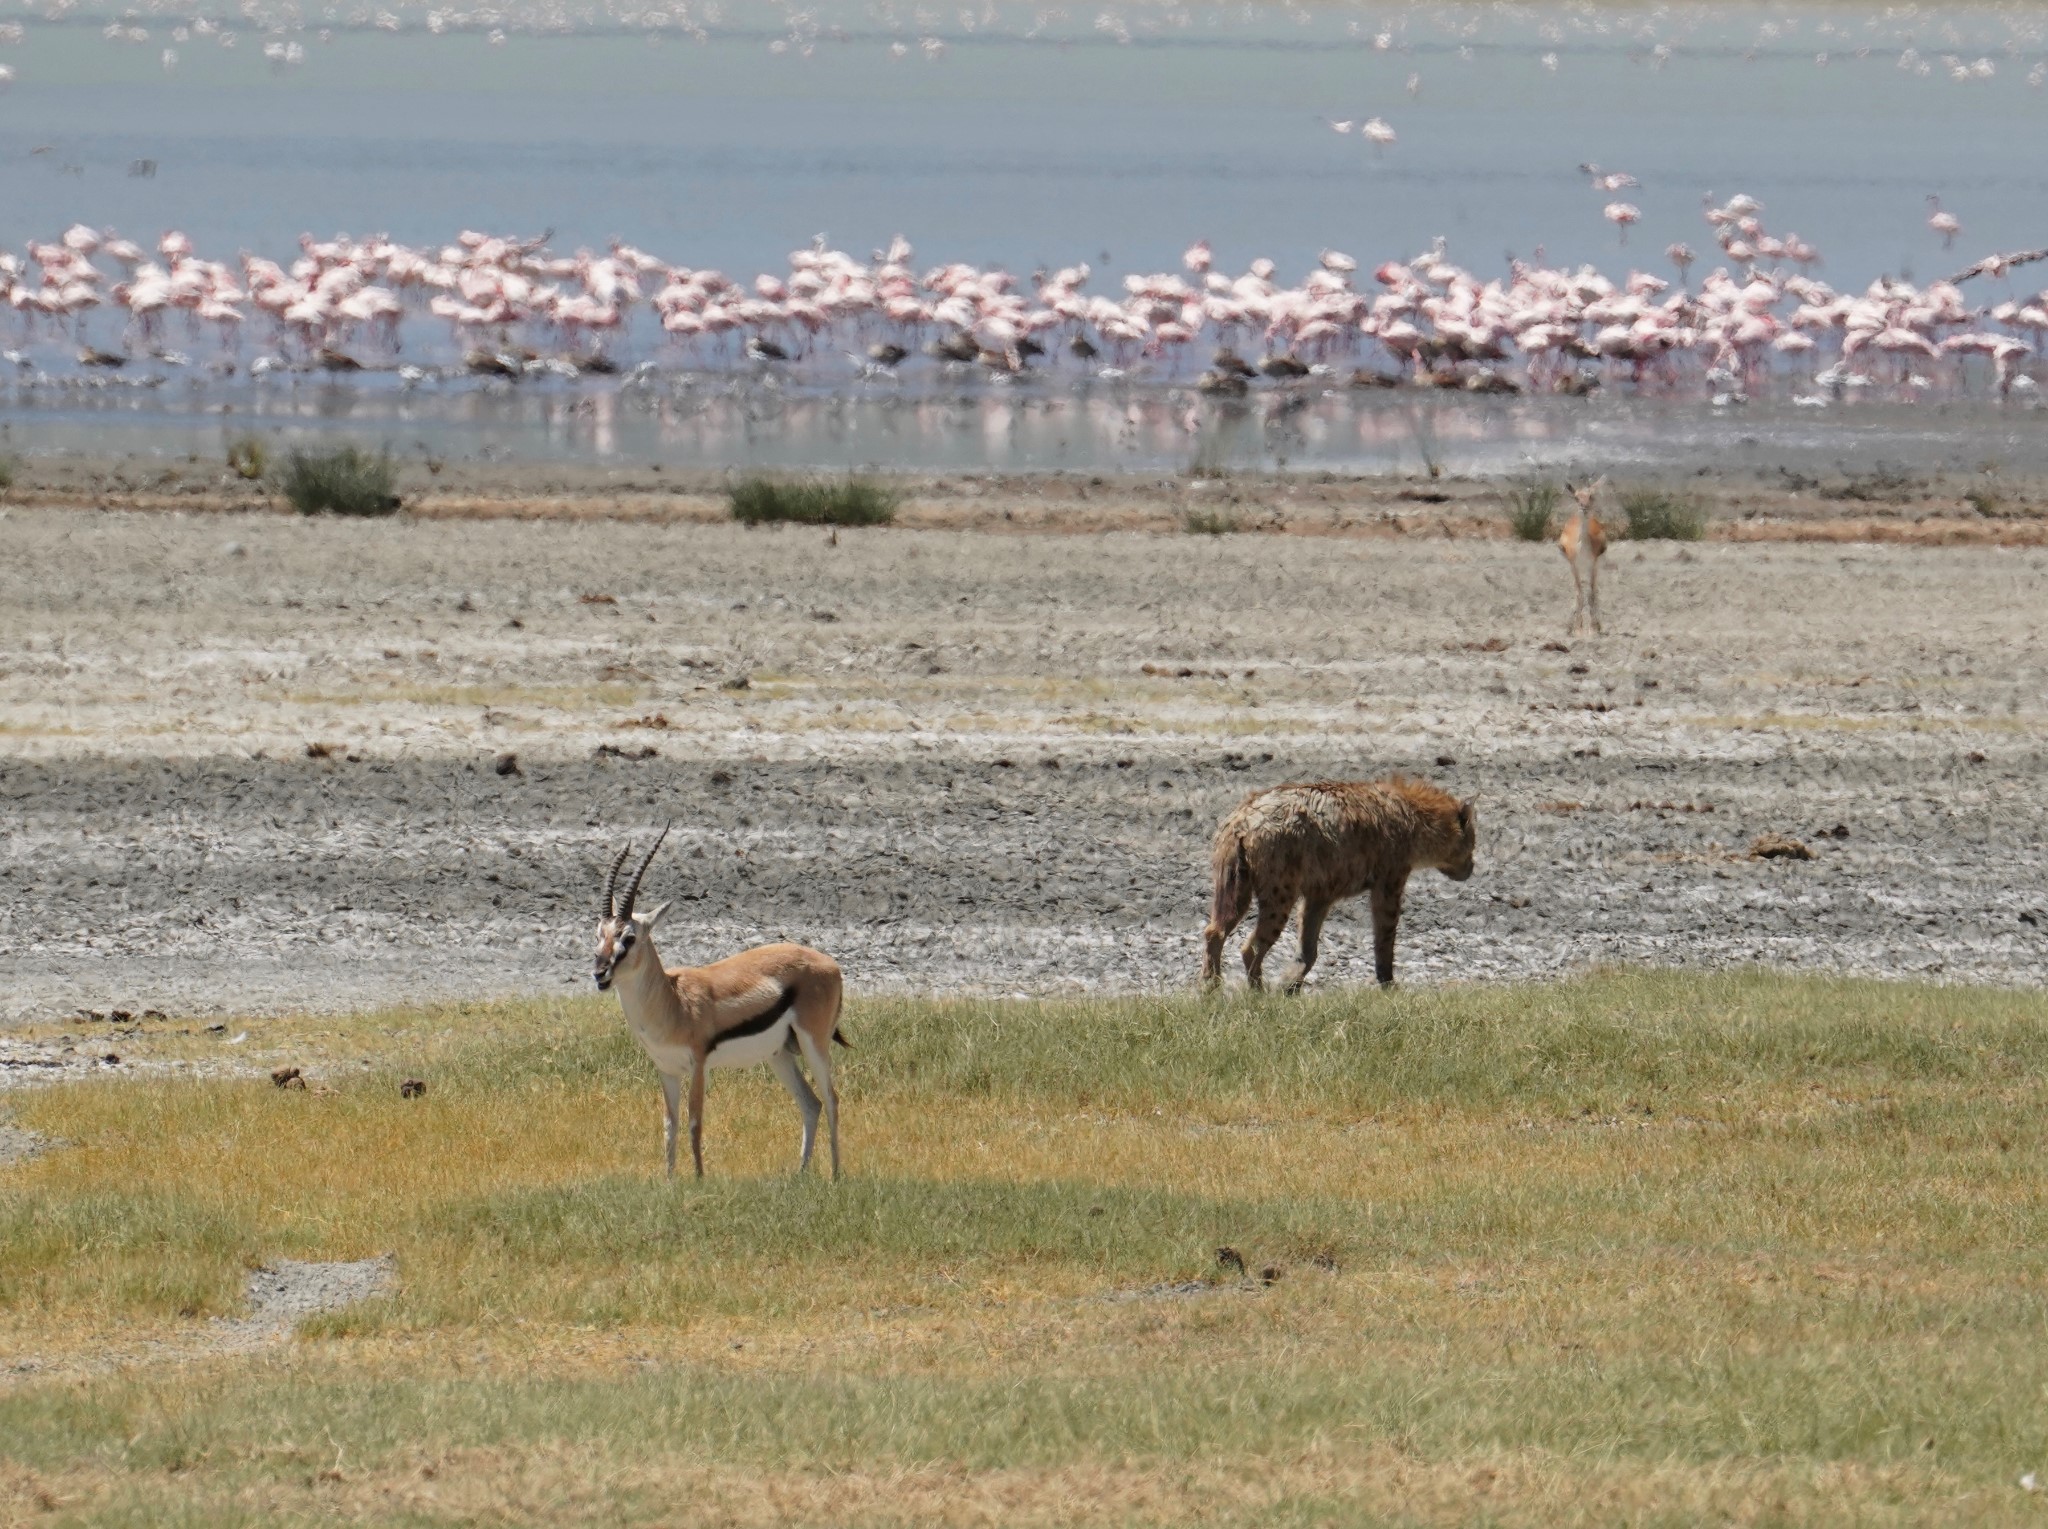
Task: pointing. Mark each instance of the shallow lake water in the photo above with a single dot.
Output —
(1093, 428)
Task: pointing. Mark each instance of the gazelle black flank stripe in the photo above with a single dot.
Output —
(765, 1020)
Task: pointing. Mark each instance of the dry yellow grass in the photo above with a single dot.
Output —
(1636, 1249)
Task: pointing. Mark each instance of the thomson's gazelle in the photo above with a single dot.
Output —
(762, 1005)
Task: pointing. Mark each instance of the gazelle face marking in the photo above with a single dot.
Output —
(1585, 496)
(618, 929)
(615, 941)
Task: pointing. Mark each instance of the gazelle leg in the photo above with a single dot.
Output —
(697, 1114)
(671, 1103)
(1272, 922)
(819, 1055)
(1579, 604)
(1593, 597)
(1313, 912)
(783, 1065)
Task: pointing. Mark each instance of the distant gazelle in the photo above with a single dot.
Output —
(1318, 844)
(762, 1005)
(1583, 544)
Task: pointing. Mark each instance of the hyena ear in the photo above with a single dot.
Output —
(1465, 811)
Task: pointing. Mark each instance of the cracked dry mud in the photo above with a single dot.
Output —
(967, 761)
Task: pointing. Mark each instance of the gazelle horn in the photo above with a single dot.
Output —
(611, 885)
(633, 888)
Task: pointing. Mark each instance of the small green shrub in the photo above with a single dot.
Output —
(1532, 509)
(9, 467)
(344, 480)
(844, 502)
(1655, 514)
(1986, 501)
(248, 458)
(1204, 522)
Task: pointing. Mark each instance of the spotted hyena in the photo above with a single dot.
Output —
(1317, 844)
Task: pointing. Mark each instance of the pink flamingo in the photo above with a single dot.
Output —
(1944, 223)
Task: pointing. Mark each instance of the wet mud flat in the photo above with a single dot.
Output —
(253, 763)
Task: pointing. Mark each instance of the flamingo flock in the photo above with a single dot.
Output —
(504, 309)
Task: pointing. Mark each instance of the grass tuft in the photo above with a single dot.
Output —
(1532, 509)
(9, 468)
(340, 480)
(1655, 514)
(817, 502)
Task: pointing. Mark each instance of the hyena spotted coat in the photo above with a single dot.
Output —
(1318, 844)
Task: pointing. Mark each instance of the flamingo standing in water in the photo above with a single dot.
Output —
(1441, 324)
(1947, 224)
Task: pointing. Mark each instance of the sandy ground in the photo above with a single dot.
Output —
(961, 761)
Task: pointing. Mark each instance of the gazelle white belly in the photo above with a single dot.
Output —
(752, 1050)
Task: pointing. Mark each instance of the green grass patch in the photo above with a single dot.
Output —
(1634, 1248)
(813, 502)
(339, 480)
(1656, 514)
(1532, 509)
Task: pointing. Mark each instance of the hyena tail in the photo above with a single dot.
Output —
(1227, 903)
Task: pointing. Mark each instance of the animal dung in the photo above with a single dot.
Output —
(1777, 846)
(506, 764)
(412, 1088)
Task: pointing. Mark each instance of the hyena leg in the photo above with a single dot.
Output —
(1313, 912)
(1265, 934)
(1386, 917)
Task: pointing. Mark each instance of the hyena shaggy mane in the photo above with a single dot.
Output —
(1317, 844)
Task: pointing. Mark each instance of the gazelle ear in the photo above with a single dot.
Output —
(651, 917)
